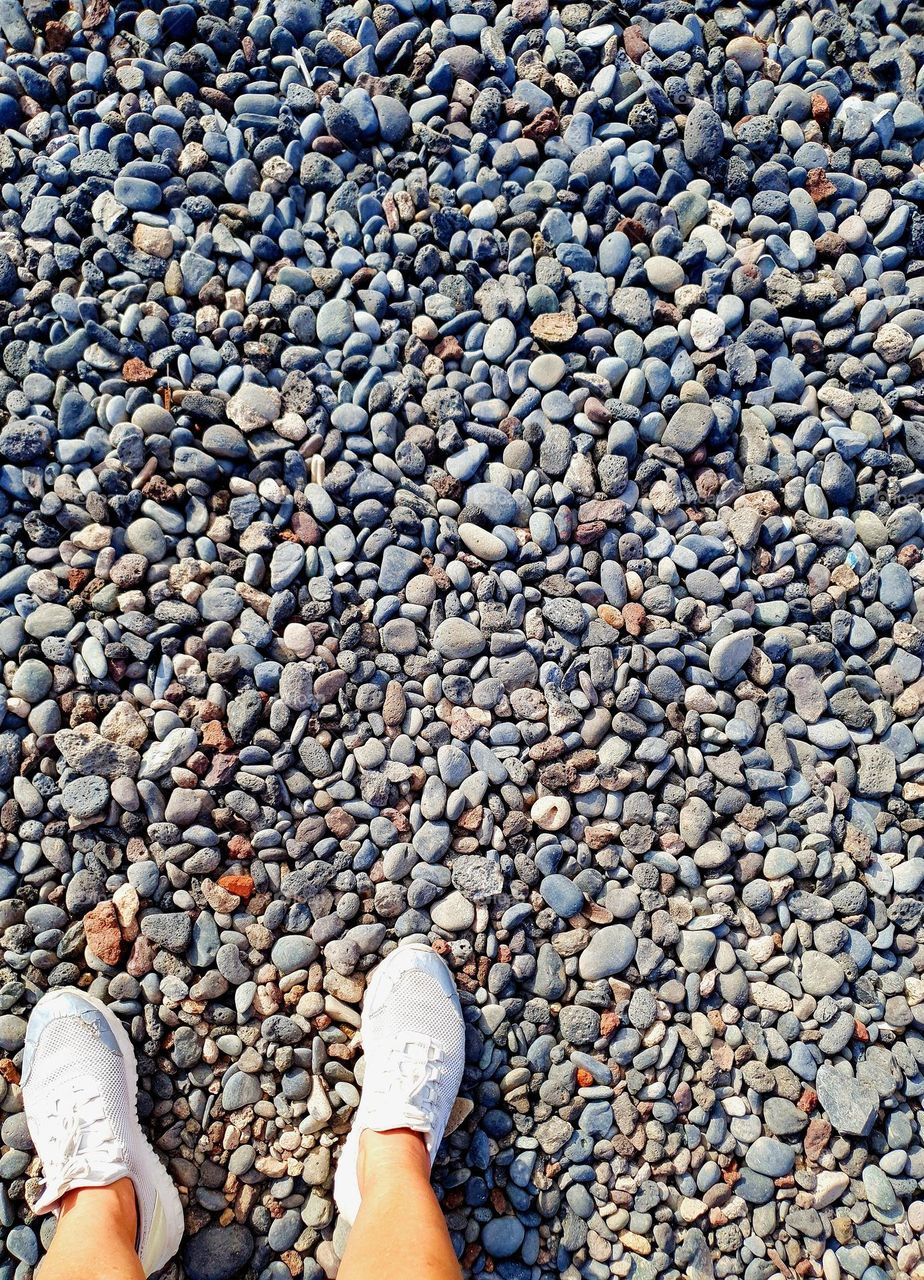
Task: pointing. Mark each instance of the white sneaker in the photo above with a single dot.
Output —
(413, 1041)
(80, 1088)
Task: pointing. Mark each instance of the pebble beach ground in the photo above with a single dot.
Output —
(461, 473)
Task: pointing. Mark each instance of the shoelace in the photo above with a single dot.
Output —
(416, 1060)
(79, 1142)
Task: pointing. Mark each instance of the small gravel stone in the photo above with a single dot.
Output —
(611, 950)
(217, 1253)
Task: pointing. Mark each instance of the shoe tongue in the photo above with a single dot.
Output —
(79, 1147)
(384, 1115)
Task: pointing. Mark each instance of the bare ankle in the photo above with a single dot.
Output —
(382, 1156)
(116, 1204)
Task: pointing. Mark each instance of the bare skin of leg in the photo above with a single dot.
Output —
(400, 1229)
(95, 1236)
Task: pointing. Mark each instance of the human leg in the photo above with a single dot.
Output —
(400, 1229)
(95, 1236)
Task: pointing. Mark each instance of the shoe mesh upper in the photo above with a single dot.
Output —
(414, 1048)
(81, 1113)
(413, 1040)
(70, 1052)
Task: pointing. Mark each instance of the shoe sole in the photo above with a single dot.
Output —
(154, 1172)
